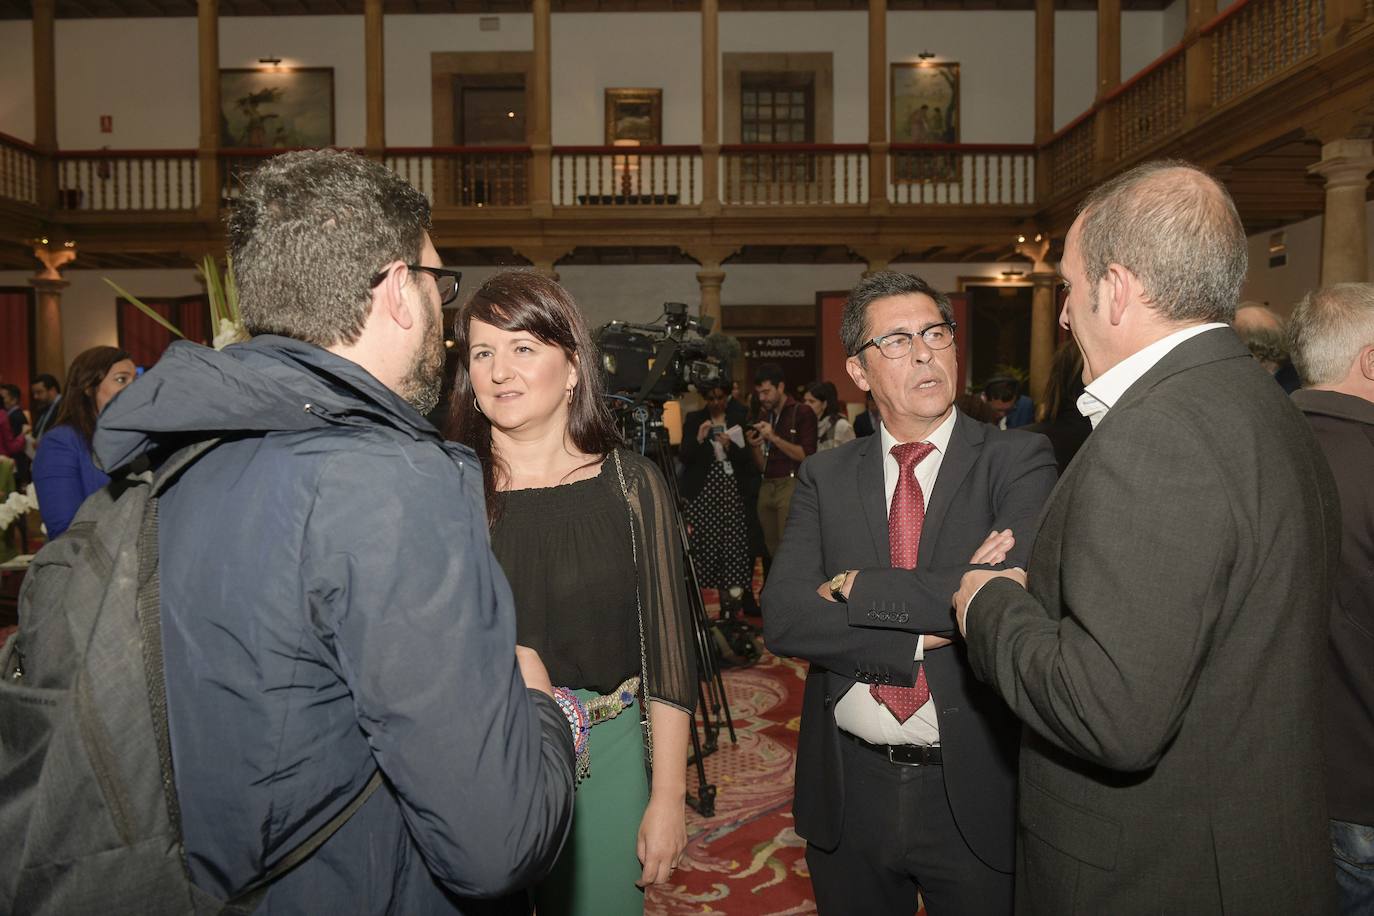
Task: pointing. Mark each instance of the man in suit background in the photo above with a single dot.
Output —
(1166, 659)
(1333, 349)
(905, 765)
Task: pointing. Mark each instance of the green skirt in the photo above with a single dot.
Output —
(596, 874)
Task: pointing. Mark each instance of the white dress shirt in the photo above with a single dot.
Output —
(857, 712)
(1102, 393)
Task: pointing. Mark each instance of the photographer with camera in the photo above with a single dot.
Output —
(715, 464)
(782, 436)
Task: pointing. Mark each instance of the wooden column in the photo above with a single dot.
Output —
(1108, 78)
(1043, 325)
(1044, 94)
(375, 63)
(877, 106)
(1345, 165)
(710, 113)
(207, 22)
(45, 102)
(1197, 62)
(541, 118)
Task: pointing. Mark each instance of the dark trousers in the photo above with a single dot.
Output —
(899, 833)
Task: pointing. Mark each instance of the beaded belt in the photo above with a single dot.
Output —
(582, 716)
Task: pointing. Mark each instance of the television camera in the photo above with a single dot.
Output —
(657, 362)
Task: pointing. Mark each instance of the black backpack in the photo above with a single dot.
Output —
(89, 820)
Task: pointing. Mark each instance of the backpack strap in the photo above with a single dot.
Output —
(150, 626)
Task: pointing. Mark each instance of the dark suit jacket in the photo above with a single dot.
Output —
(697, 456)
(1166, 660)
(988, 479)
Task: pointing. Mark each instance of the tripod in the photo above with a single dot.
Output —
(644, 431)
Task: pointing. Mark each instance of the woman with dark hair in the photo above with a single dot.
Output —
(64, 472)
(713, 470)
(584, 530)
(1058, 414)
(832, 427)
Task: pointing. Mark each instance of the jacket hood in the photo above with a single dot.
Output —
(1334, 404)
(269, 384)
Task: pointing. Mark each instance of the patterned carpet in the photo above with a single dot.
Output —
(747, 860)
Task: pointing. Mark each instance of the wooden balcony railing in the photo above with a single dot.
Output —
(794, 174)
(18, 170)
(626, 176)
(1071, 153)
(105, 180)
(1256, 40)
(1150, 105)
(946, 174)
(466, 176)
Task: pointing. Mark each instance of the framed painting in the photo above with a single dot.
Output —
(634, 114)
(276, 109)
(925, 109)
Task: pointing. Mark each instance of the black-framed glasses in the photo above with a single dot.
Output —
(898, 344)
(444, 278)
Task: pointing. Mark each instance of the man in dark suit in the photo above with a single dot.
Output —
(1166, 660)
(906, 764)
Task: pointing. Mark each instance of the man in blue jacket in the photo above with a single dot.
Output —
(330, 603)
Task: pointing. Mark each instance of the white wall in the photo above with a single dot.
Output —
(408, 43)
(16, 79)
(147, 80)
(1282, 287)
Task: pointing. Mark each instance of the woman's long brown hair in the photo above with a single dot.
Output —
(87, 371)
(526, 301)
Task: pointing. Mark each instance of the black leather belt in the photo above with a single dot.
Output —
(904, 755)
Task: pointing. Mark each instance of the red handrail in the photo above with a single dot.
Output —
(268, 152)
(679, 150)
(124, 153)
(454, 150)
(962, 147)
(15, 141)
(1149, 68)
(1215, 22)
(1071, 125)
(794, 148)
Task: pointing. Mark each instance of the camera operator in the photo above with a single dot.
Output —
(784, 434)
(714, 470)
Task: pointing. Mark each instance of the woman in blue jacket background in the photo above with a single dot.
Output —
(64, 472)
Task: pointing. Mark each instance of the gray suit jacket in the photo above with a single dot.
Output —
(1167, 659)
(988, 479)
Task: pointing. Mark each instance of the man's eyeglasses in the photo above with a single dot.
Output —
(444, 278)
(898, 344)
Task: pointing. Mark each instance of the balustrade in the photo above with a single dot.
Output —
(18, 170)
(941, 174)
(466, 176)
(105, 180)
(1150, 106)
(1255, 40)
(621, 176)
(794, 174)
(1071, 152)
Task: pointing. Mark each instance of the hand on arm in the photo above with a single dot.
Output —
(663, 829)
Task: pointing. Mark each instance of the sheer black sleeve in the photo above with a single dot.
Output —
(671, 676)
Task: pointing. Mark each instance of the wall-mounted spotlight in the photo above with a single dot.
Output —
(270, 61)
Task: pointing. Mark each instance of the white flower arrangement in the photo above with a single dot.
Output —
(19, 503)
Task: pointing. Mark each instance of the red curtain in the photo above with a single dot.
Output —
(144, 339)
(16, 339)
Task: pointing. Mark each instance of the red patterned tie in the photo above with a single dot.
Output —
(904, 520)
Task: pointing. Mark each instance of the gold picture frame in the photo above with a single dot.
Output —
(634, 115)
(925, 109)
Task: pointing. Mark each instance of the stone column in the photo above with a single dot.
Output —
(710, 108)
(1108, 78)
(877, 107)
(1345, 165)
(45, 102)
(207, 22)
(710, 278)
(1043, 325)
(374, 64)
(48, 353)
(1044, 94)
(541, 115)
